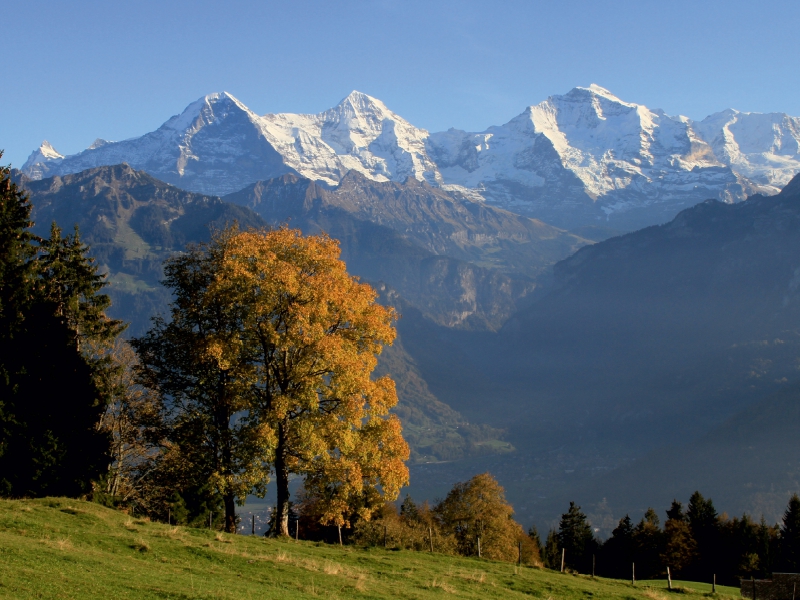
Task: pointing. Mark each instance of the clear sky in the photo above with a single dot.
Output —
(77, 70)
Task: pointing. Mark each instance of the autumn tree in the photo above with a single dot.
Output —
(680, 547)
(478, 508)
(210, 445)
(132, 420)
(310, 336)
(267, 363)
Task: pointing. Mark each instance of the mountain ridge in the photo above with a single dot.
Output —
(585, 157)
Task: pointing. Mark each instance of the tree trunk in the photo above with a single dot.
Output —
(230, 513)
(282, 481)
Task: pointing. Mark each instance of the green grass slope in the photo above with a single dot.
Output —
(60, 548)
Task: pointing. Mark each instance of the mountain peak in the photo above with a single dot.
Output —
(360, 103)
(47, 150)
(43, 154)
(210, 107)
(596, 90)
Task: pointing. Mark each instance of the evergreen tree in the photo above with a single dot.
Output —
(648, 540)
(768, 548)
(51, 377)
(616, 554)
(703, 523)
(575, 536)
(675, 512)
(409, 510)
(16, 281)
(533, 533)
(790, 537)
(552, 551)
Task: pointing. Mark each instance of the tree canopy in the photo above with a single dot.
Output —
(269, 357)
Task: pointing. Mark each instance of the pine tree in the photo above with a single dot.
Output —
(52, 384)
(552, 551)
(704, 525)
(533, 533)
(616, 554)
(575, 536)
(675, 512)
(790, 536)
(409, 510)
(16, 281)
(648, 542)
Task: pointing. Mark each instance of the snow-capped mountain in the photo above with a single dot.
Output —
(765, 148)
(581, 158)
(588, 156)
(359, 133)
(217, 146)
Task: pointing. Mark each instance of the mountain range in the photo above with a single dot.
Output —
(538, 340)
(579, 159)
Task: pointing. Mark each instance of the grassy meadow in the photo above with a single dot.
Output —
(68, 549)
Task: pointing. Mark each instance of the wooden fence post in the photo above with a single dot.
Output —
(633, 573)
(479, 546)
(563, 554)
(297, 530)
(430, 537)
(669, 580)
(254, 523)
(593, 566)
(714, 584)
(340, 535)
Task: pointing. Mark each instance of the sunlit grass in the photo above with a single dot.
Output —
(64, 549)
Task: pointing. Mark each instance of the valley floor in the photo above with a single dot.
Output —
(61, 548)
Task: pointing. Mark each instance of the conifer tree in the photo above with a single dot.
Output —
(533, 533)
(616, 553)
(790, 536)
(648, 545)
(704, 525)
(575, 536)
(51, 384)
(552, 551)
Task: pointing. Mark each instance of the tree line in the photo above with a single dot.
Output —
(695, 543)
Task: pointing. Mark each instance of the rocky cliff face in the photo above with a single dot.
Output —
(464, 264)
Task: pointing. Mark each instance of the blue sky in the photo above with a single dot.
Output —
(78, 70)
